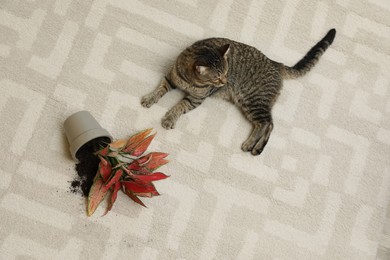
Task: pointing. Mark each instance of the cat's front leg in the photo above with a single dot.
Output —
(188, 103)
(151, 98)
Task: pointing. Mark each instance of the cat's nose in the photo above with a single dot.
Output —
(223, 80)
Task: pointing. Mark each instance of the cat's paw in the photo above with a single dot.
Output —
(252, 147)
(247, 146)
(168, 122)
(257, 151)
(148, 100)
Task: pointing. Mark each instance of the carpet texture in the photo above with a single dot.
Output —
(320, 189)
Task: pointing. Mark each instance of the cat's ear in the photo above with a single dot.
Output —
(224, 50)
(201, 70)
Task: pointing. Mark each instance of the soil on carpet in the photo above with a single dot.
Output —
(87, 166)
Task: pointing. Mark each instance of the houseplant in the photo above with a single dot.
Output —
(124, 167)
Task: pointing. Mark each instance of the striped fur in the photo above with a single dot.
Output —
(219, 67)
(310, 59)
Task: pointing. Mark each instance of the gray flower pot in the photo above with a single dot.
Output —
(80, 128)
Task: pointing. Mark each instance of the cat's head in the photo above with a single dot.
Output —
(211, 66)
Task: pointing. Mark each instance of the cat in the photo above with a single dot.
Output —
(219, 67)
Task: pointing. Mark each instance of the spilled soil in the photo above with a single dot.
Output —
(87, 166)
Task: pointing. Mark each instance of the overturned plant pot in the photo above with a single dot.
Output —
(81, 128)
(85, 137)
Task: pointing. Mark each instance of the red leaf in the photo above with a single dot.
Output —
(144, 159)
(104, 151)
(153, 177)
(96, 194)
(135, 168)
(141, 148)
(136, 139)
(147, 195)
(153, 160)
(155, 193)
(114, 179)
(114, 195)
(104, 168)
(139, 187)
(137, 149)
(133, 197)
(146, 164)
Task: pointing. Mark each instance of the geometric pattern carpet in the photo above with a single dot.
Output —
(320, 189)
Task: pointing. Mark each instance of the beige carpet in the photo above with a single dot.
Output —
(319, 190)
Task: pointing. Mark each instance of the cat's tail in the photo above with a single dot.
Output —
(310, 59)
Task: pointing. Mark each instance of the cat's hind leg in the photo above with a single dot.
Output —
(258, 111)
(258, 138)
(151, 98)
(257, 106)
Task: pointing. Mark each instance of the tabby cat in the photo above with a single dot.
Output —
(234, 71)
